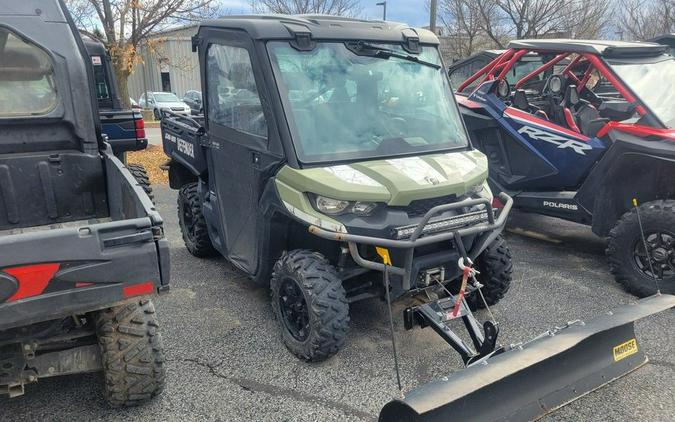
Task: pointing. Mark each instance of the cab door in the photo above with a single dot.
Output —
(240, 163)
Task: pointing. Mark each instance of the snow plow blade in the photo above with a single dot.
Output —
(530, 380)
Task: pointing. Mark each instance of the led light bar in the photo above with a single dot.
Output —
(443, 224)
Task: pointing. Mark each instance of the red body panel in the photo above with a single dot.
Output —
(33, 279)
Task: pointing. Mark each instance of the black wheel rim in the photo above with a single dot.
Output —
(294, 311)
(660, 251)
(188, 220)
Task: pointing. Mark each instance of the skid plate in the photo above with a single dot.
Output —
(535, 378)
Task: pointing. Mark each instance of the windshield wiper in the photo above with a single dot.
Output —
(370, 50)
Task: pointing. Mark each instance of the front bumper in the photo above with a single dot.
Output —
(485, 233)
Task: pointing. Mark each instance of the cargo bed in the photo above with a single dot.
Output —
(117, 253)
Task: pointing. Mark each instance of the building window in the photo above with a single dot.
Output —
(27, 86)
(233, 97)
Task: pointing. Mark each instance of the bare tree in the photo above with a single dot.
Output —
(645, 19)
(462, 19)
(123, 25)
(348, 8)
(586, 20)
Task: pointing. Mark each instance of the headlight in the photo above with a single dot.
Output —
(363, 208)
(332, 206)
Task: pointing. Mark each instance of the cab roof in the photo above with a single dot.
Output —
(321, 27)
(601, 48)
(94, 47)
(665, 39)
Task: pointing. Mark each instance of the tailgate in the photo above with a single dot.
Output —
(48, 273)
(125, 130)
(184, 139)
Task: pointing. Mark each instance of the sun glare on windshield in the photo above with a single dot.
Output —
(347, 106)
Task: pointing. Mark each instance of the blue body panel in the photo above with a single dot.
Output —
(119, 126)
(564, 157)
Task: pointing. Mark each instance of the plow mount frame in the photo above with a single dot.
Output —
(437, 315)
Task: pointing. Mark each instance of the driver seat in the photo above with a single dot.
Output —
(521, 102)
(570, 100)
(584, 119)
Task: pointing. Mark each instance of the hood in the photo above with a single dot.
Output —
(396, 181)
(172, 104)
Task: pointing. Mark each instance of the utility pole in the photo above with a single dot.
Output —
(432, 15)
(384, 9)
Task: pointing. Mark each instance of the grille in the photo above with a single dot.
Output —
(420, 207)
(177, 108)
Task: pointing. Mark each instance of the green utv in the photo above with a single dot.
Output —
(332, 165)
(310, 142)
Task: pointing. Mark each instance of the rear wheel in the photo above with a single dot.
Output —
(131, 353)
(141, 176)
(157, 115)
(496, 269)
(192, 223)
(638, 269)
(310, 304)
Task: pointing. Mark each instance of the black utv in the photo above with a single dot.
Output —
(81, 245)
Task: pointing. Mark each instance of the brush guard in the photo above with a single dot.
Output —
(520, 382)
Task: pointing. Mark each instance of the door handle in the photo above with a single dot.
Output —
(255, 159)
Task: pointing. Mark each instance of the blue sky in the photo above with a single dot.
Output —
(412, 12)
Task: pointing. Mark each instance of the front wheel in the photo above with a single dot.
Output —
(496, 268)
(310, 304)
(131, 352)
(638, 269)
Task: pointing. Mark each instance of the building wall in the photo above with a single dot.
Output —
(171, 52)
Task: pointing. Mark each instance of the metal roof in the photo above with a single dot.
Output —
(603, 48)
(321, 27)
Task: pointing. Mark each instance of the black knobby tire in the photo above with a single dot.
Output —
(496, 268)
(141, 176)
(192, 223)
(325, 303)
(625, 245)
(131, 353)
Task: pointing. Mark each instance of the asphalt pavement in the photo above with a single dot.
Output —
(226, 362)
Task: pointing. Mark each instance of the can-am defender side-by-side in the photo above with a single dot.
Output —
(580, 137)
(81, 245)
(332, 164)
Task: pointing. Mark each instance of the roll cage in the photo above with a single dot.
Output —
(579, 68)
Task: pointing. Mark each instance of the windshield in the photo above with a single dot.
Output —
(164, 97)
(349, 106)
(654, 83)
